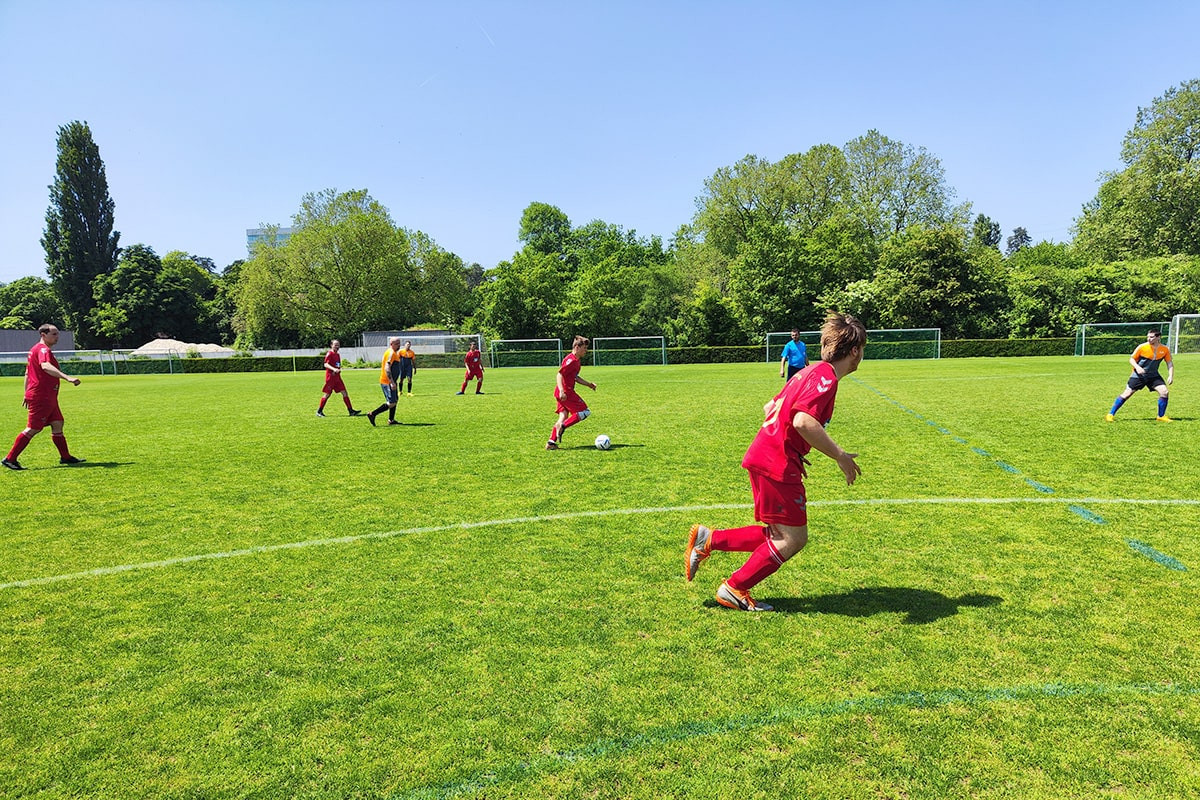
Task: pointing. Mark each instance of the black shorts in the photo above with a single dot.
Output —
(406, 370)
(793, 370)
(1145, 381)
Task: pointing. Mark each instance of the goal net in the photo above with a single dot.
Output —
(610, 351)
(525, 352)
(1112, 338)
(881, 343)
(440, 349)
(1184, 334)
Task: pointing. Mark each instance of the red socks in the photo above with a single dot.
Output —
(346, 400)
(740, 540)
(761, 564)
(60, 441)
(21, 442)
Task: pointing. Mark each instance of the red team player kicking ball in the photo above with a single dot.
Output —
(42, 375)
(333, 380)
(795, 424)
(571, 407)
(474, 361)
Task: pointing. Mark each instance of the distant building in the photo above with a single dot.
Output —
(256, 235)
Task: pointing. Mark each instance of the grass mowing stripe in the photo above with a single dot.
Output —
(542, 765)
(879, 501)
(1155, 555)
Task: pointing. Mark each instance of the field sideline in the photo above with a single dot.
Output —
(234, 598)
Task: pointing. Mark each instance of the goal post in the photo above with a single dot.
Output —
(881, 343)
(525, 352)
(1184, 334)
(610, 351)
(1113, 338)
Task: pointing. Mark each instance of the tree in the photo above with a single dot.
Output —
(1019, 240)
(894, 186)
(79, 239)
(345, 269)
(544, 228)
(927, 279)
(27, 303)
(1152, 206)
(986, 232)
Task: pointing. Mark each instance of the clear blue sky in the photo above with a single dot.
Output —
(213, 116)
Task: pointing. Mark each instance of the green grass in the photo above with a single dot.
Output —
(417, 645)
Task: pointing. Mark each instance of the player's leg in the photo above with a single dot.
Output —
(783, 507)
(1163, 392)
(387, 401)
(19, 444)
(702, 541)
(354, 412)
(479, 382)
(556, 431)
(60, 441)
(1120, 401)
(321, 407)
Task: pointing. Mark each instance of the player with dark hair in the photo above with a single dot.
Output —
(795, 356)
(794, 425)
(389, 372)
(1145, 360)
(42, 375)
(333, 380)
(570, 406)
(408, 365)
(474, 361)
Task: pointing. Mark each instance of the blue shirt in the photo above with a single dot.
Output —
(795, 352)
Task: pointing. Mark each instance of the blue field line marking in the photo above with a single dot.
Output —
(1004, 465)
(542, 765)
(1155, 555)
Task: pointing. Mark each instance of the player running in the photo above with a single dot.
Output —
(42, 375)
(474, 361)
(795, 424)
(570, 406)
(333, 380)
(1145, 360)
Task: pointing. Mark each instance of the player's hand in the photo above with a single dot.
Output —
(1170, 379)
(593, 387)
(74, 381)
(850, 467)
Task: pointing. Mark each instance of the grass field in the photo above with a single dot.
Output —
(234, 598)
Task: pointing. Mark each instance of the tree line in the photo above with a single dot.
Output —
(870, 227)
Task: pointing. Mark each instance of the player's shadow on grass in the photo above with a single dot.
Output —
(593, 447)
(417, 424)
(920, 605)
(94, 465)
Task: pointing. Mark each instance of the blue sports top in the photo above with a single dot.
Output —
(795, 352)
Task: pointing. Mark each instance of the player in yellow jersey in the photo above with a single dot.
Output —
(1145, 360)
(389, 372)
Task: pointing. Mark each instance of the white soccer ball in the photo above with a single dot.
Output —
(603, 442)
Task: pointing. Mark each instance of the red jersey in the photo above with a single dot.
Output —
(333, 359)
(473, 359)
(39, 384)
(778, 451)
(570, 371)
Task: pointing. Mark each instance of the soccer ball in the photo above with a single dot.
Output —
(603, 442)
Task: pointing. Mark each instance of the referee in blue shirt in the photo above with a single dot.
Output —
(795, 356)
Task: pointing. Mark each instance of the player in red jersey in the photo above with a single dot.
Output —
(474, 361)
(795, 424)
(333, 380)
(570, 406)
(42, 375)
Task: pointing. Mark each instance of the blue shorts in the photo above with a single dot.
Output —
(390, 393)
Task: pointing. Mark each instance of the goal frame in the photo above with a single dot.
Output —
(1175, 333)
(597, 349)
(494, 354)
(1081, 332)
(813, 339)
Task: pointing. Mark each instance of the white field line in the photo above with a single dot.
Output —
(306, 543)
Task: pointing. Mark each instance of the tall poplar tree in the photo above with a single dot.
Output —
(79, 239)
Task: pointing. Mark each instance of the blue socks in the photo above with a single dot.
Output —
(1162, 406)
(1119, 402)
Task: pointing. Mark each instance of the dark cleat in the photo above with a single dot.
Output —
(371, 418)
(69, 460)
(320, 413)
(11, 463)
(393, 422)
(354, 412)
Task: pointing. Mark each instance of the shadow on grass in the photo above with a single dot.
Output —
(593, 447)
(92, 465)
(920, 605)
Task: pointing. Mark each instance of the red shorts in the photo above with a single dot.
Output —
(569, 402)
(477, 372)
(333, 383)
(43, 411)
(784, 503)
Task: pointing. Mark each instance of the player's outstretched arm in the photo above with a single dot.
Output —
(815, 434)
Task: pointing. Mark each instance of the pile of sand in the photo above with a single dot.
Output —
(165, 345)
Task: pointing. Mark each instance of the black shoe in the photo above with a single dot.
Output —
(11, 463)
(320, 413)
(371, 419)
(479, 393)
(354, 412)
(393, 422)
(460, 392)
(71, 460)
